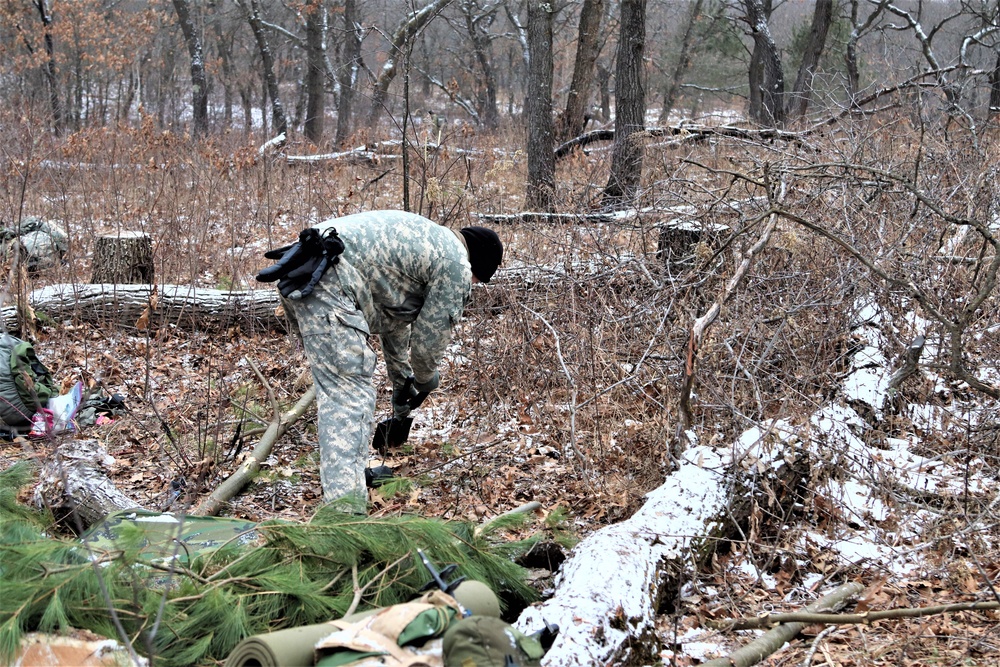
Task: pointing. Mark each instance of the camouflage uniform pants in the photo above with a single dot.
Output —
(342, 365)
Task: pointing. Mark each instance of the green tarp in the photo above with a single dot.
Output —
(161, 536)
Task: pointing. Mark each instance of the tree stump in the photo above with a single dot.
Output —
(124, 258)
(676, 242)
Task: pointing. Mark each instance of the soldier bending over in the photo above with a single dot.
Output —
(395, 274)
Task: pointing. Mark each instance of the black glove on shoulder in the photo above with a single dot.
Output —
(301, 265)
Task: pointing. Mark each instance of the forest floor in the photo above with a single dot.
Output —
(465, 466)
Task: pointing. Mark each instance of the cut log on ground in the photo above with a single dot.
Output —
(177, 305)
(610, 590)
(72, 480)
(125, 258)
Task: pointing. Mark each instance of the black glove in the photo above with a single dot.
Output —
(429, 386)
(412, 394)
(291, 257)
(402, 397)
(377, 476)
(303, 279)
(301, 265)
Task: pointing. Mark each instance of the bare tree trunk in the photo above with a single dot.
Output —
(540, 195)
(252, 11)
(683, 62)
(630, 107)
(587, 47)
(348, 72)
(226, 61)
(50, 66)
(995, 89)
(802, 90)
(316, 70)
(851, 55)
(199, 81)
(486, 98)
(604, 79)
(404, 33)
(767, 79)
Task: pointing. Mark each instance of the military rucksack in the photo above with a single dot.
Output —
(25, 383)
(486, 641)
(403, 635)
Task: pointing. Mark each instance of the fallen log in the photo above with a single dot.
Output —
(177, 305)
(73, 481)
(694, 132)
(774, 639)
(610, 590)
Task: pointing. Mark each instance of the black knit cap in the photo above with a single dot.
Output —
(485, 251)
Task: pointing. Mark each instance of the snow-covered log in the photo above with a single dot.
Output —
(609, 591)
(176, 305)
(72, 480)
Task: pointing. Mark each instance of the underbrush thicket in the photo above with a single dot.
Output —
(587, 328)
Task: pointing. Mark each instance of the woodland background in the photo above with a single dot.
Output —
(845, 151)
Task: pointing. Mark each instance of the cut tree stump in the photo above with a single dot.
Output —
(125, 258)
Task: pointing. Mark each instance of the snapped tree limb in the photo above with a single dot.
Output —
(226, 491)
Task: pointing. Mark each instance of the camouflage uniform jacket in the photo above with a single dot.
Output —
(408, 276)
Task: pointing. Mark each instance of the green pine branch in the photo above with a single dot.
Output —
(297, 574)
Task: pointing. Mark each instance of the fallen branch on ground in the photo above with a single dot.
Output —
(226, 491)
(773, 640)
(868, 617)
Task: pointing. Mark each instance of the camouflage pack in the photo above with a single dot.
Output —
(403, 635)
(486, 641)
(25, 383)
